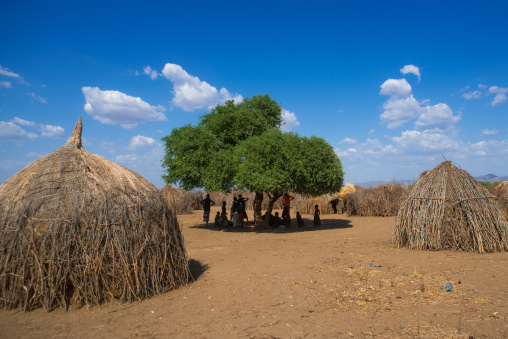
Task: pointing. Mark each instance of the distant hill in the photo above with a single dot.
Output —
(491, 178)
(484, 178)
(375, 183)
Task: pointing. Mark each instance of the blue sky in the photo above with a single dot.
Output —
(391, 85)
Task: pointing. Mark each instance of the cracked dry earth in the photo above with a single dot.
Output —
(307, 282)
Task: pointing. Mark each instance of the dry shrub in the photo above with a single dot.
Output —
(76, 228)
(381, 201)
(346, 191)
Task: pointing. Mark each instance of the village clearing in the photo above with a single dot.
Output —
(307, 282)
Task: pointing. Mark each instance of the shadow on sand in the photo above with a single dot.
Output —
(326, 224)
(196, 269)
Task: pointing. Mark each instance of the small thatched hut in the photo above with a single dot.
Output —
(76, 228)
(448, 209)
(180, 201)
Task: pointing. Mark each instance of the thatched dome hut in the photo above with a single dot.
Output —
(76, 228)
(180, 201)
(448, 209)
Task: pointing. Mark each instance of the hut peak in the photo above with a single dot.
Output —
(75, 139)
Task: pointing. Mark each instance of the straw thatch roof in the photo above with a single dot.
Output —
(448, 209)
(77, 228)
(180, 201)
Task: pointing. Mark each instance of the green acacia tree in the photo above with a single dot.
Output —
(202, 156)
(241, 146)
(276, 162)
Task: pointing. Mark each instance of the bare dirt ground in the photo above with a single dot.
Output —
(306, 282)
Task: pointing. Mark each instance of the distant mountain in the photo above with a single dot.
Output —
(375, 183)
(484, 178)
(491, 178)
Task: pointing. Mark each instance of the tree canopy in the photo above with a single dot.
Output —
(241, 146)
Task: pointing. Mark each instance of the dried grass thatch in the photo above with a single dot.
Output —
(180, 201)
(76, 228)
(448, 209)
(501, 192)
(381, 201)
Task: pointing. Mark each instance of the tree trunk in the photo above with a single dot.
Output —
(258, 200)
(273, 199)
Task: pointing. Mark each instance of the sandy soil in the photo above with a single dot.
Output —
(307, 282)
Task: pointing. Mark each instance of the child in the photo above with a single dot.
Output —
(299, 220)
(317, 220)
(236, 219)
(217, 220)
(223, 212)
(276, 220)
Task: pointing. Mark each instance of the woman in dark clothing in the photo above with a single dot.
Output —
(234, 207)
(241, 209)
(206, 202)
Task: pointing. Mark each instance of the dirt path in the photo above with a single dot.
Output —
(308, 282)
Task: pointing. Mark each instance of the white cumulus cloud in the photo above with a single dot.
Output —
(399, 88)
(5, 84)
(139, 142)
(483, 91)
(12, 132)
(411, 69)
(7, 72)
(38, 98)
(416, 142)
(117, 108)
(192, 93)
(398, 111)
(51, 131)
(289, 121)
(499, 98)
(500, 94)
(225, 96)
(22, 122)
(438, 116)
(402, 107)
(348, 141)
(151, 72)
(489, 132)
(472, 95)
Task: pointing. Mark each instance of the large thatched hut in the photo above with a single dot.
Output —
(76, 228)
(448, 209)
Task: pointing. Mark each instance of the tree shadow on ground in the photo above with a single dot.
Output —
(326, 224)
(196, 269)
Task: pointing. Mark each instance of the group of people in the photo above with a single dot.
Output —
(239, 215)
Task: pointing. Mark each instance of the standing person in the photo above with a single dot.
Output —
(286, 201)
(234, 207)
(235, 219)
(241, 209)
(223, 215)
(206, 202)
(317, 219)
